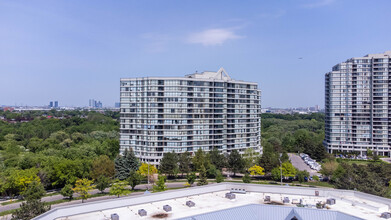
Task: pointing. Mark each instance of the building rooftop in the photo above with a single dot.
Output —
(251, 203)
(220, 74)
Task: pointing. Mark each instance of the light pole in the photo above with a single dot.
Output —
(280, 167)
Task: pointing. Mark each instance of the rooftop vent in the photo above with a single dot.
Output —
(167, 208)
(142, 212)
(114, 216)
(190, 203)
(230, 196)
(385, 215)
(238, 190)
(316, 193)
(330, 201)
(286, 200)
(267, 199)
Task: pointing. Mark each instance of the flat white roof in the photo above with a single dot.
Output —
(212, 198)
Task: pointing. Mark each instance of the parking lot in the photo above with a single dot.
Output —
(300, 164)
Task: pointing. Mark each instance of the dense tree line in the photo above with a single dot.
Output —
(292, 133)
(56, 151)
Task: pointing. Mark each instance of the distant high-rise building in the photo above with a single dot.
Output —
(51, 104)
(117, 105)
(95, 104)
(358, 105)
(55, 104)
(178, 114)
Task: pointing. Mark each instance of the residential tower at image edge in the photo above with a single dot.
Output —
(358, 105)
(199, 111)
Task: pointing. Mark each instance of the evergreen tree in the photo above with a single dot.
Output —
(203, 179)
(219, 177)
(126, 163)
(169, 164)
(235, 162)
(184, 162)
(217, 159)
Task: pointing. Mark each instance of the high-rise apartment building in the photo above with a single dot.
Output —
(179, 114)
(358, 105)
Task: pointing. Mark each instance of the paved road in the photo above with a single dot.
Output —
(386, 159)
(300, 164)
(58, 197)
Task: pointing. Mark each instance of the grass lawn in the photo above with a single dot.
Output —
(361, 162)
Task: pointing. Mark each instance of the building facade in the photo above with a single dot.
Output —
(179, 114)
(358, 105)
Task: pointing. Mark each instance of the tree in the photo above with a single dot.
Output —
(143, 170)
(276, 174)
(184, 161)
(288, 170)
(67, 191)
(328, 168)
(200, 159)
(34, 191)
(203, 179)
(219, 177)
(256, 170)
(169, 164)
(249, 157)
(246, 178)
(268, 161)
(235, 162)
(29, 210)
(102, 166)
(33, 205)
(211, 172)
(118, 188)
(217, 158)
(191, 178)
(126, 163)
(160, 184)
(301, 175)
(134, 179)
(82, 187)
(102, 183)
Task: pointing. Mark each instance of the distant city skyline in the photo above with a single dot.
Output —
(71, 51)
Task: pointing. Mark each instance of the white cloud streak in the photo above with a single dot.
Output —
(212, 37)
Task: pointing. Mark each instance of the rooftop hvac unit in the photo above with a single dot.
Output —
(330, 201)
(142, 212)
(316, 193)
(167, 208)
(286, 200)
(230, 196)
(385, 215)
(238, 190)
(114, 216)
(267, 199)
(190, 203)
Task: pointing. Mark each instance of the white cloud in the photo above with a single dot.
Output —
(320, 3)
(212, 37)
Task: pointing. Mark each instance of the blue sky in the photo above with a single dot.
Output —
(73, 50)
